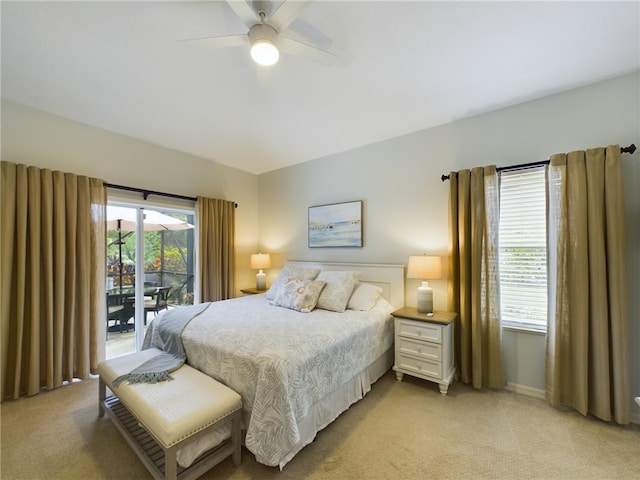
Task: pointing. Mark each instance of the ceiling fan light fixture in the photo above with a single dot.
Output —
(264, 52)
(262, 38)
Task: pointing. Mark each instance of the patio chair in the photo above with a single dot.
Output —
(159, 301)
(115, 311)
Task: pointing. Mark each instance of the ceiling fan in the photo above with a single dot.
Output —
(265, 33)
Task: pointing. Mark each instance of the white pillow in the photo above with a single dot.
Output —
(300, 295)
(290, 272)
(364, 297)
(339, 287)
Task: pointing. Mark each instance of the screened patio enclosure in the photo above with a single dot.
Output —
(168, 251)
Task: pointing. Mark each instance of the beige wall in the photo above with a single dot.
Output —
(406, 203)
(33, 137)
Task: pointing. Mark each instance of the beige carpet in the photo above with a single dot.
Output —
(399, 431)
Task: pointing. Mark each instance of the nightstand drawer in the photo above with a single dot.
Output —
(424, 346)
(429, 351)
(428, 368)
(421, 331)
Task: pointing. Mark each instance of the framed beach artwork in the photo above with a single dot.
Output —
(336, 225)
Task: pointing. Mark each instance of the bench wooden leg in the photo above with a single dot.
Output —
(170, 464)
(102, 394)
(236, 438)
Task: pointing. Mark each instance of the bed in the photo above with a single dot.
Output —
(297, 372)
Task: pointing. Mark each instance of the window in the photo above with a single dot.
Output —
(144, 260)
(523, 249)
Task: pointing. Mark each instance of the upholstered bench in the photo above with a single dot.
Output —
(159, 420)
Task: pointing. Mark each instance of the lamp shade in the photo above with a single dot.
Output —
(260, 261)
(424, 267)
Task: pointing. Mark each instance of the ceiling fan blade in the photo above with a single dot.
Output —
(287, 13)
(245, 12)
(220, 42)
(295, 47)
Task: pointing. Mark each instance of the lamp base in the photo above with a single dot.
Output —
(425, 298)
(261, 280)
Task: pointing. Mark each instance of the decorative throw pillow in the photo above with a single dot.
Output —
(364, 297)
(339, 287)
(300, 295)
(290, 272)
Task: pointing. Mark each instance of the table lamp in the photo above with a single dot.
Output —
(260, 261)
(425, 267)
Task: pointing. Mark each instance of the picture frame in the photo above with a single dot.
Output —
(336, 225)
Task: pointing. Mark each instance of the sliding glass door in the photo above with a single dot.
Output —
(150, 268)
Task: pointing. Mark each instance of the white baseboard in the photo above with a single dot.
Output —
(537, 393)
(525, 390)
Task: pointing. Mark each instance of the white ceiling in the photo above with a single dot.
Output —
(404, 67)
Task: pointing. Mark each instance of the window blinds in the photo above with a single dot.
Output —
(523, 249)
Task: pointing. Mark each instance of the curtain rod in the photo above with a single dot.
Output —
(146, 193)
(630, 149)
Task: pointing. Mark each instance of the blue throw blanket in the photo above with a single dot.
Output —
(169, 339)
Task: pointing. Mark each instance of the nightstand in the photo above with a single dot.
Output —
(251, 291)
(424, 346)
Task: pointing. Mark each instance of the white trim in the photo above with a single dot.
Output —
(197, 268)
(525, 390)
(522, 329)
(537, 393)
(117, 196)
(139, 286)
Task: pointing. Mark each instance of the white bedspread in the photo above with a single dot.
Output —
(281, 361)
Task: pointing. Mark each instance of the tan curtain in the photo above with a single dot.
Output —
(53, 274)
(473, 288)
(587, 352)
(216, 243)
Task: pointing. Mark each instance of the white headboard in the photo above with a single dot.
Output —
(388, 277)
